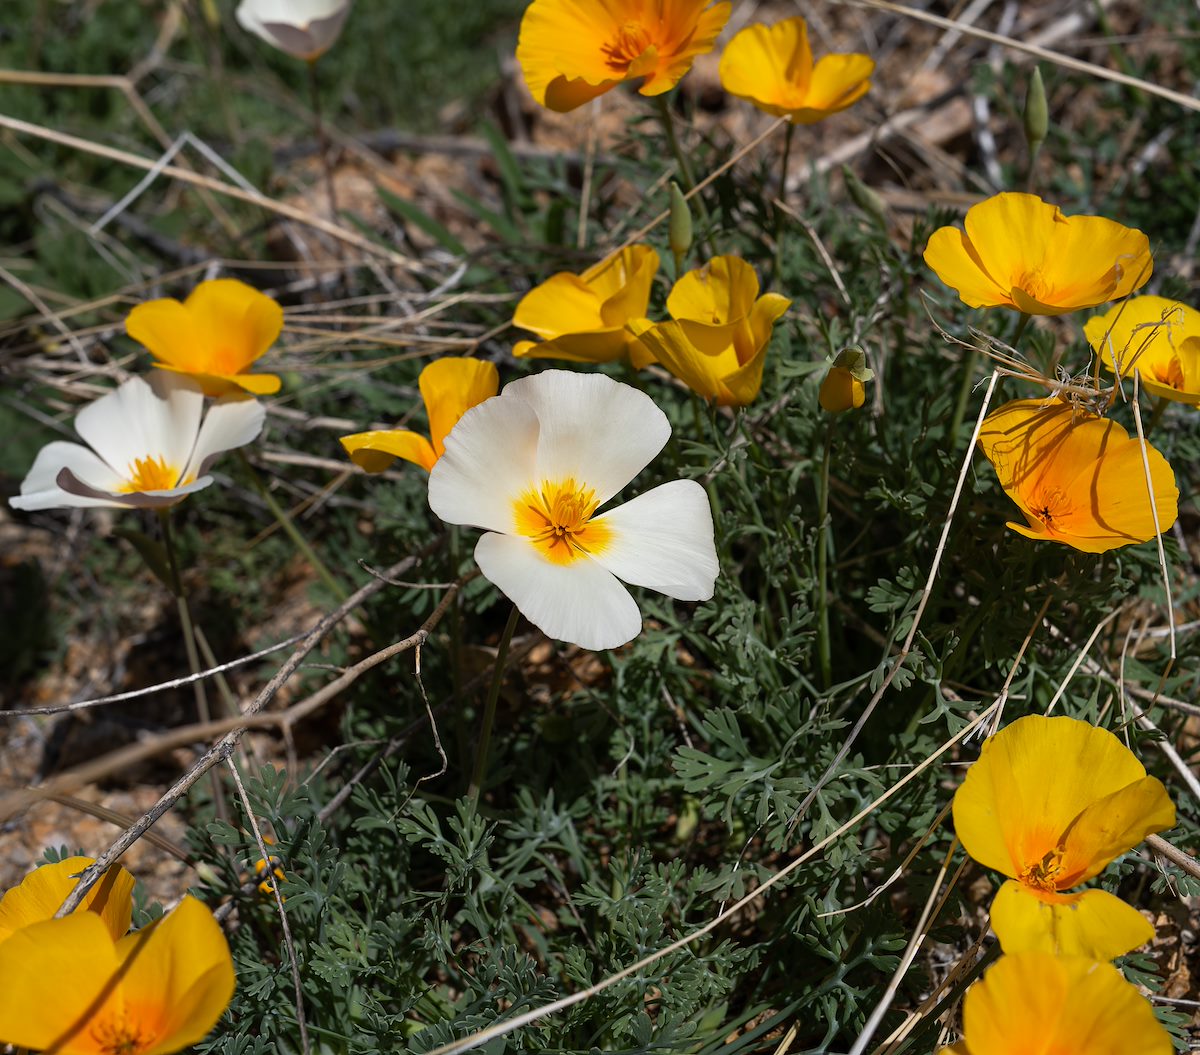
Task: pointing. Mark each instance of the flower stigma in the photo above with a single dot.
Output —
(629, 44)
(557, 519)
(1042, 874)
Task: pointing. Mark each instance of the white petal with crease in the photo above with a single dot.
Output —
(40, 490)
(229, 423)
(580, 602)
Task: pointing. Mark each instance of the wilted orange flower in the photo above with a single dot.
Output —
(1050, 803)
(1035, 1002)
(1078, 478)
(1022, 253)
(772, 67)
(38, 897)
(717, 343)
(1158, 338)
(571, 51)
(450, 387)
(214, 336)
(71, 989)
(582, 318)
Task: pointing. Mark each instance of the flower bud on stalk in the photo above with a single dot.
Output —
(679, 230)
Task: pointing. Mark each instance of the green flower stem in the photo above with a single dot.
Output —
(293, 532)
(685, 169)
(783, 171)
(1160, 408)
(824, 655)
(489, 709)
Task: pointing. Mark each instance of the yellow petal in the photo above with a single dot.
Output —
(953, 259)
(564, 303)
(670, 346)
(770, 66)
(687, 31)
(622, 283)
(1010, 234)
(723, 291)
(165, 328)
(1158, 338)
(841, 390)
(562, 42)
(452, 386)
(1032, 780)
(40, 894)
(1033, 1002)
(598, 346)
(181, 973)
(838, 82)
(1091, 260)
(1092, 923)
(1113, 825)
(375, 451)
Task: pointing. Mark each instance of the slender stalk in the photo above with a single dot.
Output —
(685, 169)
(783, 173)
(1160, 408)
(824, 655)
(293, 532)
(968, 380)
(314, 90)
(489, 709)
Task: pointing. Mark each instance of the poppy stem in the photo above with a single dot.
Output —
(824, 655)
(489, 709)
(685, 170)
(314, 89)
(1160, 408)
(783, 173)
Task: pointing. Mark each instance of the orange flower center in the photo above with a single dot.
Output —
(1034, 284)
(631, 40)
(1042, 875)
(151, 473)
(557, 519)
(1051, 508)
(115, 1034)
(1167, 372)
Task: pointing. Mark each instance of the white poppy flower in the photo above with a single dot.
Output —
(147, 447)
(533, 464)
(305, 29)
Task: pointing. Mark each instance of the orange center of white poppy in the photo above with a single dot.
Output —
(631, 40)
(151, 473)
(557, 519)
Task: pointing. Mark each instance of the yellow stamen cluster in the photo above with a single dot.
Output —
(151, 473)
(557, 519)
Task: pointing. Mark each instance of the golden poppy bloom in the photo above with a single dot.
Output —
(772, 67)
(1050, 803)
(571, 51)
(581, 318)
(717, 341)
(1158, 338)
(71, 989)
(214, 336)
(1035, 1002)
(450, 387)
(1022, 253)
(844, 387)
(38, 897)
(1078, 478)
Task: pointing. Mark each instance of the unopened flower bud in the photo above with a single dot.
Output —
(1037, 113)
(844, 387)
(679, 232)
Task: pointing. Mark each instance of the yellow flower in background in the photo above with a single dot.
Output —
(1158, 338)
(214, 336)
(571, 51)
(1022, 253)
(1050, 803)
(1078, 478)
(772, 67)
(71, 989)
(38, 897)
(1037, 1003)
(717, 341)
(844, 387)
(582, 318)
(450, 387)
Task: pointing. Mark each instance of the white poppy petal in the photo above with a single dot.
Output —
(663, 540)
(229, 423)
(579, 602)
(40, 489)
(73, 486)
(490, 460)
(140, 419)
(302, 28)
(592, 428)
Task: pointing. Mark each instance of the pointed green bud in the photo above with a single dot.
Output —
(679, 233)
(854, 360)
(1037, 113)
(862, 196)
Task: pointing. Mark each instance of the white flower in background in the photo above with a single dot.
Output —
(305, 29)
(147, 447)
(534, 464)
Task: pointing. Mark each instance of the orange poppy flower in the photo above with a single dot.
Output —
(1079, 479)
(571, 51)
(1050, 803)
(1158, 338)
(1020, 252)
(38, 896)
(772, 67)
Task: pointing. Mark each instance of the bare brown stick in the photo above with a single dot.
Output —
(1175, 855)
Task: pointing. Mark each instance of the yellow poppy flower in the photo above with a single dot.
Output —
(450, 387)
(214, 336)
(1035, 1002)
(844, 387)
(571, 51)
(38, 897)
(717, 341)
(1022, 253)
(772, 67)
(71, 989)
(1050, 803)
(1078, 478)
(582, 318)
(1158, 338)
